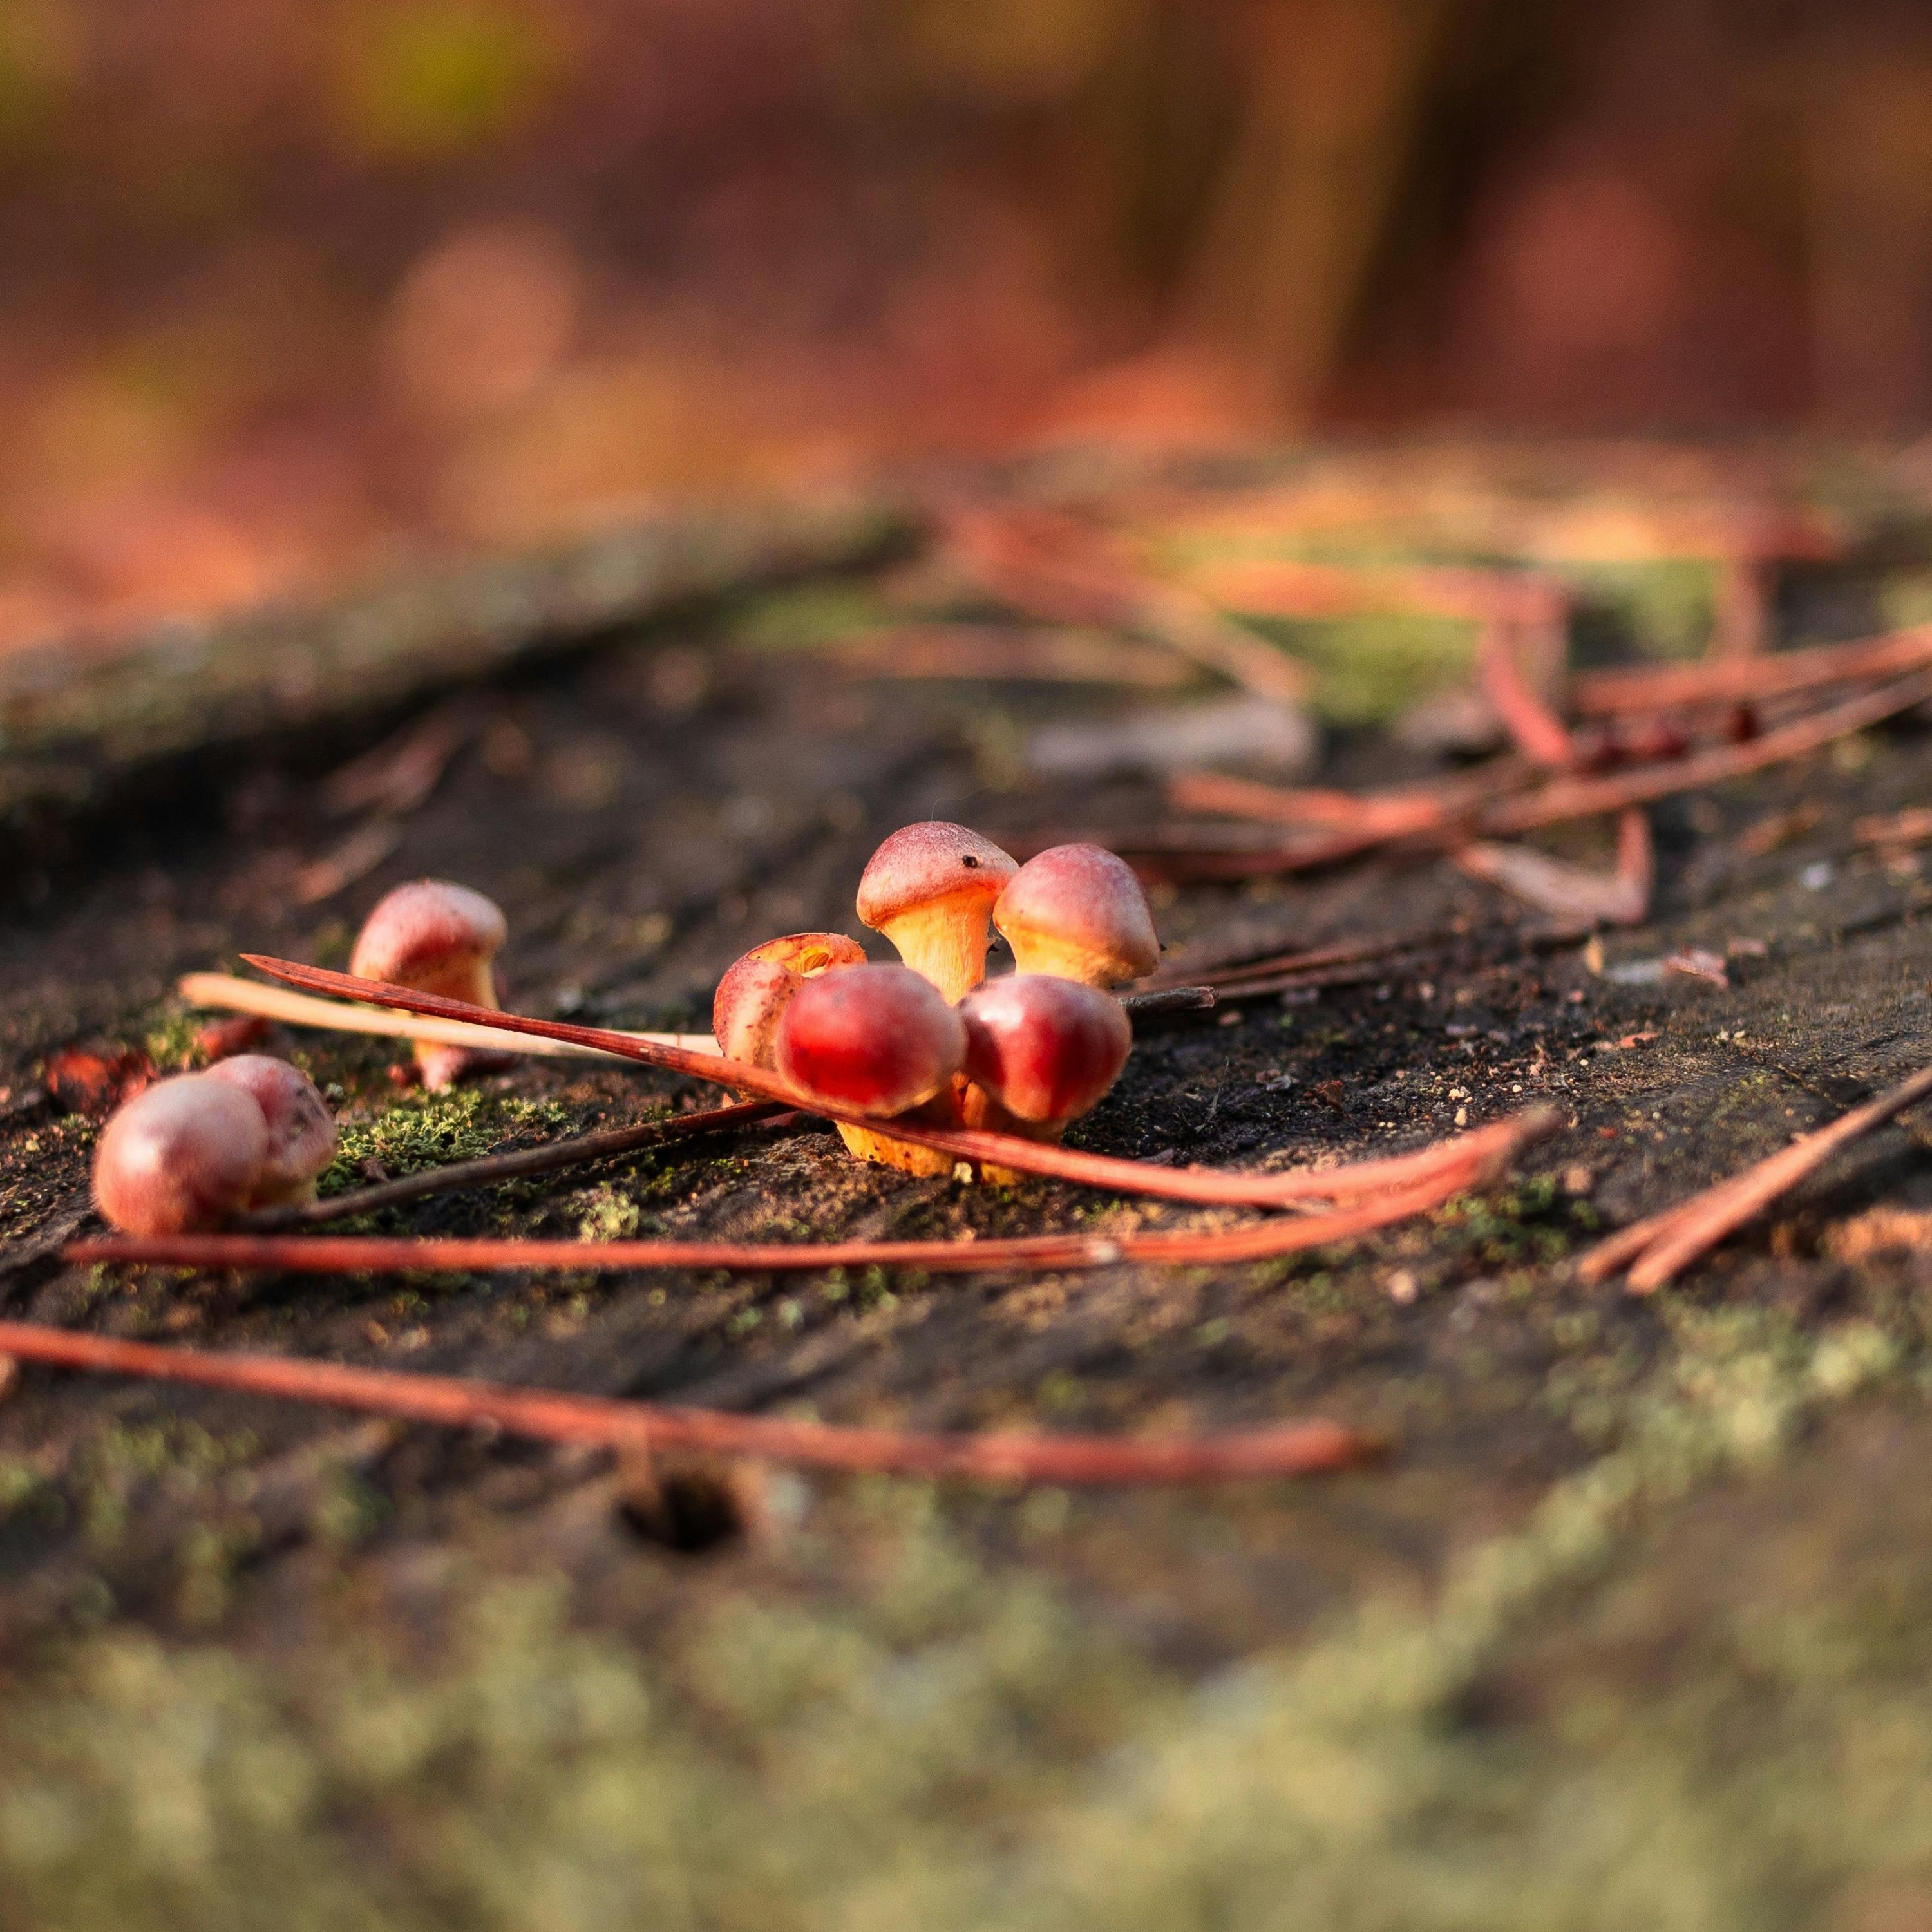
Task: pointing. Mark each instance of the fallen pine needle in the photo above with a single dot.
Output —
(225, 992)
(1645, 784)
(1552, 803)
(1912, 827)
(1603, 694)
(1219, 1187)
(1661, 1246)
(1535, 730)
(1574, 891)
(1290, 1449)
(370, 1254)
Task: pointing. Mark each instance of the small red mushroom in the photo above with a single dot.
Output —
(752, 997)
(929, 888)
(181, 1157)
(433, 936)
(1078, 912)
(301, 1130)
(879, 1040)
(1045, 1049)
(188, 1154)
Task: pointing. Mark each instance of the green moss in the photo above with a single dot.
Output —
(423, 1130)
(169, 1041)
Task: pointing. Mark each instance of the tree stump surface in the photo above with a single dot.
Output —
(1636, 1622)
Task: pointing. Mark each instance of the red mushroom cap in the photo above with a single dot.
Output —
(1046, 1049)
(928, 889)
(1079, 911)
(752, 998)
(876, 1039)
(301, 1130)
(181, 1157)
(931, 860)
(434, 937)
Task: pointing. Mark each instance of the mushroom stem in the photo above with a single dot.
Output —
(1061, 959)
(908, 1156)
(945, 942)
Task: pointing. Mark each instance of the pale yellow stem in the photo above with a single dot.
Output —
(945, 942)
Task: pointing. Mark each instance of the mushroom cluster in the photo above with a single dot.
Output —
(189, 1154)
(932, 1041)
(929, 1041)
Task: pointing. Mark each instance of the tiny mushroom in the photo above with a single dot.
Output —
(435, 937)
(752, 997)
(929, 888)
(181, 1157)
(1078, 913)
(879, 1040)
(301, 1131)
(1043, 1050)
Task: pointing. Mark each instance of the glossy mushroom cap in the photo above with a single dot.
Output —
(928, 889)
(1078, 912)
(434, 938)
(181, 1158)
(1047, 1049)
(878, 1040)
(301, 1131)
(752, 997)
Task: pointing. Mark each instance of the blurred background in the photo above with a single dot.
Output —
(294, 289)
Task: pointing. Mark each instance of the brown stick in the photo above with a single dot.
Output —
(491, 1168)
(1220, 1188)
(1291, 1449)
(1668, 1243)
(1607, 694)
(1158, 1000)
